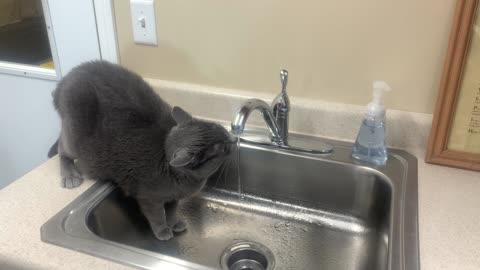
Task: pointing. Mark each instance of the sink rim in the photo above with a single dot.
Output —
(403, 233)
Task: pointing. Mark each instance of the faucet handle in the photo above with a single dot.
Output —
(284, 79)
(281, 107)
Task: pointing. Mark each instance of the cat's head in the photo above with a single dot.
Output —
(197, 147)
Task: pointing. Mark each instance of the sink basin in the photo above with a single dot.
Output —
(296, 211)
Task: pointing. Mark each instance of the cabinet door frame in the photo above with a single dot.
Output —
(34, 71)
(105, 32)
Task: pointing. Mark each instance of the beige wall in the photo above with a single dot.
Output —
(332, 49)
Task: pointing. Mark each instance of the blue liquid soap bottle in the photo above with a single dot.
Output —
(370, 143)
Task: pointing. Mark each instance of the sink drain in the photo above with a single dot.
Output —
(247, 256)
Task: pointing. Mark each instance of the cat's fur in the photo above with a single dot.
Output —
(114, 127)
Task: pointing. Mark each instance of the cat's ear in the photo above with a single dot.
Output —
(180, 116)
(181, 158)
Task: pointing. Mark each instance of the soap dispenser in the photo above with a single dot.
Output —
(370, 143)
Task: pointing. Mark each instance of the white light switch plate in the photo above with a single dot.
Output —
(143, 22)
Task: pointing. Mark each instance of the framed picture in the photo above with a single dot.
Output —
(455, 135)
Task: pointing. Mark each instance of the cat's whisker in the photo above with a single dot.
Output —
(228, 163)
(220, 174)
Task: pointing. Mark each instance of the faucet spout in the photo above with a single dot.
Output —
(238, 124)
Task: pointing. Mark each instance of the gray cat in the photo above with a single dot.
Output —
(114, 127)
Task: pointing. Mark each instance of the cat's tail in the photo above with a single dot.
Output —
(53, 150)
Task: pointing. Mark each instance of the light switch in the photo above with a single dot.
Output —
(143, 22)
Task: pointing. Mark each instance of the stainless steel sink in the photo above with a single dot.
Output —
(298, 211)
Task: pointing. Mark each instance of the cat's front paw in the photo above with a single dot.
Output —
(72, 180)
(165, 234)
(180, 226)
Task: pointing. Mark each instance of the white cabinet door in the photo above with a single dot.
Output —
(74, 31)
(29, 125)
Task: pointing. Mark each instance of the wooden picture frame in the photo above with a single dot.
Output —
(458, 48)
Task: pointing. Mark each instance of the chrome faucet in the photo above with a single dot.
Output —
(276, 118)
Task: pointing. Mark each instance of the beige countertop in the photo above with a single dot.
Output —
(449, 202)
(24, 206)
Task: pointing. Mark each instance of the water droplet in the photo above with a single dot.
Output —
(278, 224)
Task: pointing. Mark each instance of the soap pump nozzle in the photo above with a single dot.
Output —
(376, 107)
